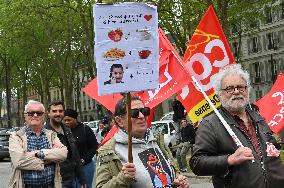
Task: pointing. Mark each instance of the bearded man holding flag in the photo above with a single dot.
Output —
(256, 163)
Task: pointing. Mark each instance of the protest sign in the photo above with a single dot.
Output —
(126, 47)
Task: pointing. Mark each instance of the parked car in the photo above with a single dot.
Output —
(167, 116)
(13, 129)
(4, 144)
(92, 124)
(166, 127)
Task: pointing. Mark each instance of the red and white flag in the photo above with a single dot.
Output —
(207, 52)
(271, 106)
(172, 77)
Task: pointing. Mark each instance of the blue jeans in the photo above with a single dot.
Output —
(89, 170)
(69, 183)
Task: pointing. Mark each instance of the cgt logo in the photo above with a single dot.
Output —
(277, 118)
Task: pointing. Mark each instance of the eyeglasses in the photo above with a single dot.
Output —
(135, 112)
(31, 114)
(231, 89)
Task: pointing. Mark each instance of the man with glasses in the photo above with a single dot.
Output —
(35, 152)
(71, 167)
(257, 163)
(150, 167)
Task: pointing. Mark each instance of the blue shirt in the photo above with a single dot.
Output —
(38, 177)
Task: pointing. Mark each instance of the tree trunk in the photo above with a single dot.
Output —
(7, 65)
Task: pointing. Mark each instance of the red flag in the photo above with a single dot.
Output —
(107, 101)
(110, 134)
(207, 51)
(172, 74)
(271, 106)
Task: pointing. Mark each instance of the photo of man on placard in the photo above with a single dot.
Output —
(116, 74)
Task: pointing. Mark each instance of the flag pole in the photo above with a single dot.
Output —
(128, 105)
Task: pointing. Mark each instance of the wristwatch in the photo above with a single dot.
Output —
(37, 154)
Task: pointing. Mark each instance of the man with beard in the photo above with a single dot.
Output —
(71, 167)
(257, 163)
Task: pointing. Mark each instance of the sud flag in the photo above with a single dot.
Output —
(271, 106)
(172, 75)
(207, 52)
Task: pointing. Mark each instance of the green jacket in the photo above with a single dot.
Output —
(108, 171)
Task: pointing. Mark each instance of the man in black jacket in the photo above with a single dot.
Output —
(86, 143)
(187, 141)
(71, 167)
(177, 117)
(255, 165)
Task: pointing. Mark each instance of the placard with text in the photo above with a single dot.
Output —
(126, 47)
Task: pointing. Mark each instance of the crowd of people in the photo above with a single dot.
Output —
(62, 152)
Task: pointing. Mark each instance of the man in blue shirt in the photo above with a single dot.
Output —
(35, 152)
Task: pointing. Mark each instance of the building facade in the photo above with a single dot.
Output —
(262, 51)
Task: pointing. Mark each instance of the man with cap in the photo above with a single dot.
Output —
(86, 143)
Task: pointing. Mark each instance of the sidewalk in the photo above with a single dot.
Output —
(199, 181)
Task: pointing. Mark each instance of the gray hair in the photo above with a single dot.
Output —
(31, 102)
(232, 69)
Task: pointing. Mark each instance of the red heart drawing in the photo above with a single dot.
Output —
(148, 17)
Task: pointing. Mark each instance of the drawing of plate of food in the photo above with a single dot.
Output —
(144, 54)
(115, 35)
(114, 54)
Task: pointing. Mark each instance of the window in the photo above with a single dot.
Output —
(268, 14)
(274, 69)
(270, 45)
(89, 104)
(170, 103)
(258, 94)
(235, 48)
(282, 10)
(254, 44)
(257, 72)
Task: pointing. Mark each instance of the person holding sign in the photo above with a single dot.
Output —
(116, 74)
(257, 163)
(151, 166)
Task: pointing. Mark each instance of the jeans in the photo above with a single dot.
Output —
(69, 183)
(89, 170)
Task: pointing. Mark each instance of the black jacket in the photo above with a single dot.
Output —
(188, 134)
(71, 167)
(213, 144)
(86, 142)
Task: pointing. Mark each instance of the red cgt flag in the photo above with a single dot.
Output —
(271, 106)
(172, 77)
(207, 52)
(107, 101)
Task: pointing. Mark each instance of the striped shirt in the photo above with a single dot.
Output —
(38, 177)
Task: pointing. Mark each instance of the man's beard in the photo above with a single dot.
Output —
(235, 104)
(56, 120)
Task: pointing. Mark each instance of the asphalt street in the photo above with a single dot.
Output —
(195, 181)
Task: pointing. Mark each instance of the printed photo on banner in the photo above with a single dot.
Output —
(126, 47)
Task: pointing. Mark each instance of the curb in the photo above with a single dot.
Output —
(191, 175)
